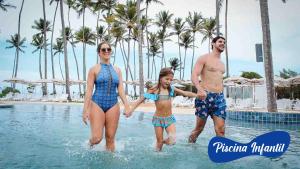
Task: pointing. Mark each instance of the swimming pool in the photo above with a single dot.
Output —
(53, 136)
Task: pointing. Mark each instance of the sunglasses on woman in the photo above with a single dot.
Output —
(106, 49)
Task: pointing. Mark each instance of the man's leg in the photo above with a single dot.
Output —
(200, 123)
(219, 124)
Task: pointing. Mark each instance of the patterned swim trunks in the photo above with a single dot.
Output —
(214, 104)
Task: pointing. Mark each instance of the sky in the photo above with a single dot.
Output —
(244, 31)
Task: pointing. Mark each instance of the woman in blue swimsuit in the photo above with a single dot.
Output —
(102, 108)
(163, 119)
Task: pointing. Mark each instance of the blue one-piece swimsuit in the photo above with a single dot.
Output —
(107, 81)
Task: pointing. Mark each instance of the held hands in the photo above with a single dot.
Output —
(85, 117)
(201, 94)
(127, 111)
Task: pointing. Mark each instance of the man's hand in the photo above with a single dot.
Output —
(201, 94)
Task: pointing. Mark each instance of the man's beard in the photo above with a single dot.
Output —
(220, 50)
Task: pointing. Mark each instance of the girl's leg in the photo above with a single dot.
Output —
(111, 125)
(97, 120)
(171, 130)
(159, 132)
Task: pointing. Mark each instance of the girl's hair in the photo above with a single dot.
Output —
(100, 45)
(164, 72)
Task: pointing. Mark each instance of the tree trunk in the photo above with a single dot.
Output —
(268, 62)
(226, 47)
(13, 74)
(62, 75)
(75, 57)
(217, 16)
(84, 46)
(180, 66)
(148, 55)
(19, 38)
(140, 47)
(77, 67)
(51, 48)
(193, 51)
(65, 51)
(40, 64)
(184, 63)
(45, 48)
(128, 50)
(134, 70)
(162, 55)
(97, 40)
(115, 53)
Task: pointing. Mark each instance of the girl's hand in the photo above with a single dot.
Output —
(128, 113)
(85, 117)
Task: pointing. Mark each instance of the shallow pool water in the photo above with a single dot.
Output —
(53, 136)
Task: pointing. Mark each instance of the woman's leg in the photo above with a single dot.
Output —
(159, 132)
(171, 130)
(97, 120)
(111, 124)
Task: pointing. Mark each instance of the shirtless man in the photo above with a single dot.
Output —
(210, 100)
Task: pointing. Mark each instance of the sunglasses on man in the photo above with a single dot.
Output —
(105, 49)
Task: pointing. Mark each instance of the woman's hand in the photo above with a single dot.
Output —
(85, 117)
(127, 111)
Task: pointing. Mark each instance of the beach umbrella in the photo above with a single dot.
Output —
(293, 81)
(43, 81)
(15, 80)
(281, 82)
(236, 79)
(178, 85)
(255, 82)
(76, 82)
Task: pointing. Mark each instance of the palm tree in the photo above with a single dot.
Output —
(179, 27)
(268, 60)
(163, 21)
(80, 6)
(175, 64)
(65, 50)
(85, 36)
(126, 14)
(96, 9)
(163, 37)
(4, 6)
(108, 6)
(186, 40)
(208, 30)
(43, 26)
(69, 38)
(38, 42)
(194, 21)
(58, 49)
(18, 44)
(117, 31)
(154, 49)
(51, 44)
(147, 6)
(100, 31)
